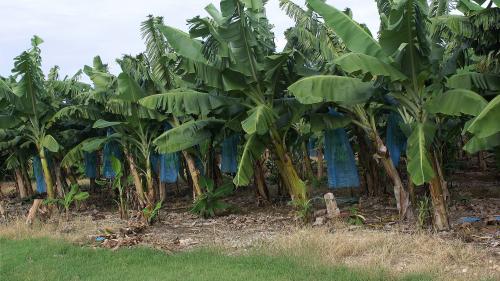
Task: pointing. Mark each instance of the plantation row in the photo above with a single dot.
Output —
(220, 101)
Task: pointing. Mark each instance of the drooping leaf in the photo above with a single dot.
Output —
(476, 144)
(471, 80)
(251, 152)
(116, 165)
(183, 44)
(487, 122)
(456, 102)
(186, 135)
(361, 63)
(94, 144)
(352, 34)
(100, 124)
(128, 88)
(259, 120)
(419, 166)
(331, 88)
(8, 121)
(180, 102)
(405, 33)
(77, 112)
(467, 6)
(50, 143)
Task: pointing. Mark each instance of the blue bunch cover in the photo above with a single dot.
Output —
(154, 158)
(38, 172)
(90, 159)
(168, 164)
(169, 167)
(111, 148)
(341, 165)
(395, 139)
(229, 151)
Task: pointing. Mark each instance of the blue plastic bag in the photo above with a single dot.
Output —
(41, 187)
(90, 159)
(395, 139)
(341, 165)
(229, 151)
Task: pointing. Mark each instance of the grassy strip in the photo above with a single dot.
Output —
(48, 259)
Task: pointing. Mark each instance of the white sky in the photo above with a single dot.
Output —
(75, 31)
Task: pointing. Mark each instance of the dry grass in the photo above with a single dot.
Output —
(397, 253)
(75, 231)
(393, 252)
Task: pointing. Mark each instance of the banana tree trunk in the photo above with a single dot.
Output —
(306, 162)
(59, 181)
(372, 185)
(260, 182)
(27, 180)
(163, 191)
(195, 174)
(71, 177)
(46, 174)
(23, 193)
(320, 164)
(438, 190)
(402, 196)
(296, 187)
(149, 182)
(141, 197)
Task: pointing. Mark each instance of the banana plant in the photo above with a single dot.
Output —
(112, 104)
(236, 60)
(400, 64)
(33, 101)
(351, 95)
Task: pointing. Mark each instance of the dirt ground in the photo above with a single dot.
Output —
(469, 249)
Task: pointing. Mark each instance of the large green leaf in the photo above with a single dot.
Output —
(352, 34)
(331, 88)
(456, 102)
(419, 167)
(182, 102)
(467, 6)
(251, 152)
(361, 63)
(74, 155)
(183, 44)
(472, 80)
(487, 122)
(9, 121)
(116, 165)
(131, 109)
(100, 124)
(77, 112)
(476, 144)
(186, 135)
(405, 33)
(50, 143)
(259, 120)
(128, 88)
(94, 144)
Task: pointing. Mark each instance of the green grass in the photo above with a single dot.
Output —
(46, 259)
